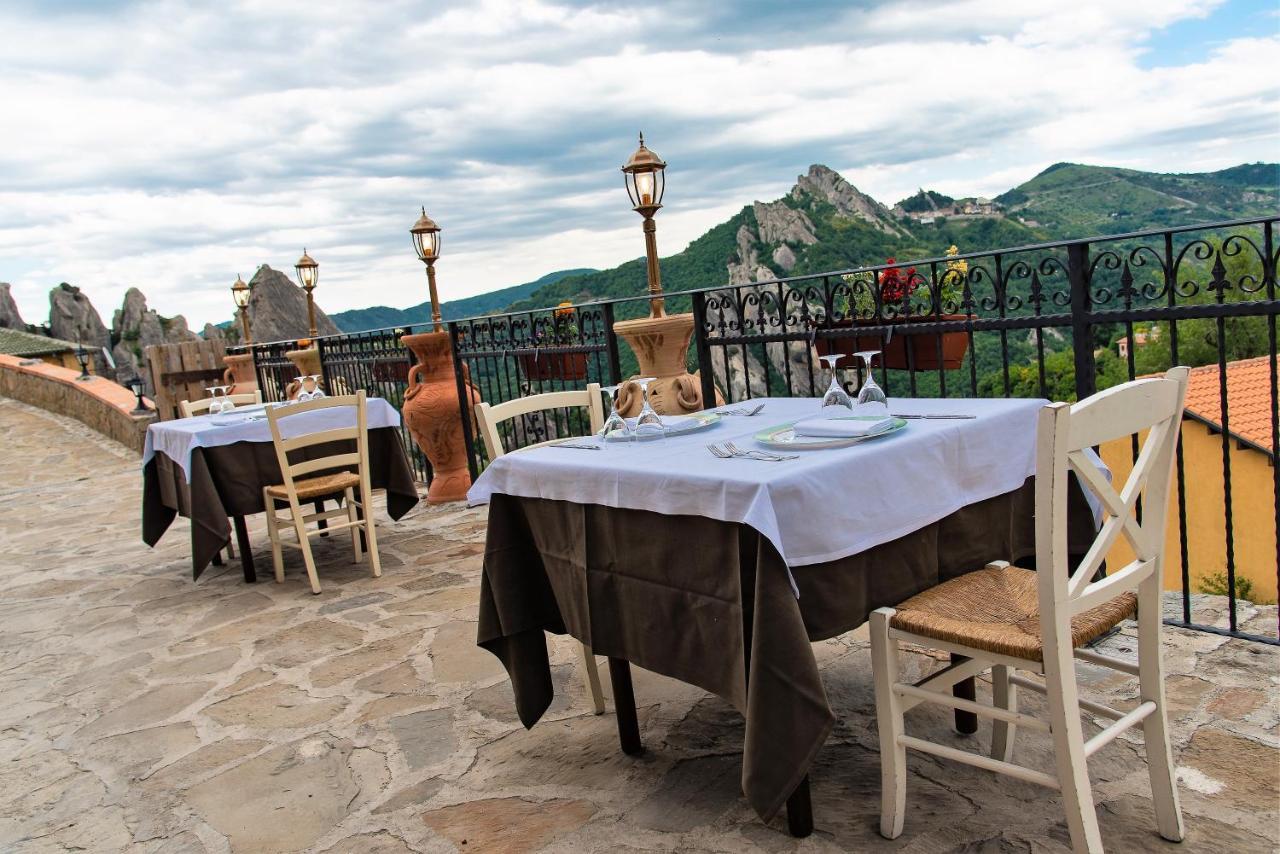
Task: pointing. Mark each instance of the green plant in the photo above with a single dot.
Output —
(1216, 583)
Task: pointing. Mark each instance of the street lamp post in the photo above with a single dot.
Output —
(426, 242)
(661, 340)
(308, 274)
(433, 409)
(240, 374)
(82, 356)
(644, 175)
(240, 293)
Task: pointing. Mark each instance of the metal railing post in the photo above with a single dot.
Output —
(1081, 319)
(464, 400)
(611, 346)
(703, 349)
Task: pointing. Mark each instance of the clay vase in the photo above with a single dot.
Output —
(661, 344)
(240, 373)
(307, 361)
(432, 412)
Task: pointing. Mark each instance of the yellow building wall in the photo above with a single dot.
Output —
(1252, 507)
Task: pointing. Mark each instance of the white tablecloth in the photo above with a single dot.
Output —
(177, 439)
(826, 505)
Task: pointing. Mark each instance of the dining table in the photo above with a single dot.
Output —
(213, 468)
(722, 571)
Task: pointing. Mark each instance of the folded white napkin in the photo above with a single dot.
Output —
(843, 426)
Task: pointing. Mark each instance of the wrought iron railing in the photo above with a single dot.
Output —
(507, 356)
(1057, 320)
(377, 362)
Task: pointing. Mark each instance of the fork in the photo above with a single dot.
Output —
(738, 410)
(765, 456)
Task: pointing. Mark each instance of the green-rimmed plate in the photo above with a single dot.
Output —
(784, 435)
(677, 424)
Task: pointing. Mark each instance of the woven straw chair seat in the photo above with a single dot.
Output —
(317, 487)
(996, 610)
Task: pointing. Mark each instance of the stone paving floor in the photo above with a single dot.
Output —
(141, 711)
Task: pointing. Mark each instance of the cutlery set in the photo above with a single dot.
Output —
(731, 451)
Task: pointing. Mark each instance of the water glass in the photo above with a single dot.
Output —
(648, 424)
(836, 395)
(870, 391)
(615, 425)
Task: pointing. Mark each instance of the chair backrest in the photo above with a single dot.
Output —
(489, 417)
(1066, 432)
(354, 430)
(199, 407)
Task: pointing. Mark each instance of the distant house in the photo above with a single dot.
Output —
(1250, 444)
(1140, 339)
(27, 345)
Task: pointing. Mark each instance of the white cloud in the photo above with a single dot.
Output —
(171, 145)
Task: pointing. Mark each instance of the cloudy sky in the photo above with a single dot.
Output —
(171, 145)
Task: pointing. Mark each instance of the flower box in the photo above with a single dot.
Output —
(547, 364)
(925, 353)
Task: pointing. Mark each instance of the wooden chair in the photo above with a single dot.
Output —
(489, 417)
(189, 408)
(344, 482)
(1005, 618)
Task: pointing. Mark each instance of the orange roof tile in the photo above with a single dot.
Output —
(1249, 404)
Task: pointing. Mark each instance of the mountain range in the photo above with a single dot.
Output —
(825, 223)
(383, 317)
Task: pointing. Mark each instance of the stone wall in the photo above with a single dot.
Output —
(99, 403)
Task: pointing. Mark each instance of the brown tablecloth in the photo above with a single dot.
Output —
(228, 481)
(708, 602)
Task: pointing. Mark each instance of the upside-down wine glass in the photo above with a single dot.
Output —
(227, 403)
(870, 391)
(215, 406)
(615, 425)
(317, 390)
(836, 395)
(648, 424)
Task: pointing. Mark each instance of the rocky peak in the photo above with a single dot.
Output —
(9, 316)
(73, 318)
(278, 308)
(778, 222)
(826, 184)
(135, 328)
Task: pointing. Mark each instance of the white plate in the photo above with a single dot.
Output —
(784, 436)
(676, 424)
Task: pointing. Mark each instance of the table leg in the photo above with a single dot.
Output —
(624, 702)
(217, 558)
(323, 524)
(246, 552)
(966, 689)
(800, 811)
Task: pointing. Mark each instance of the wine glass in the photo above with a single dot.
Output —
(836, 395)
(215, 406)
(648, 424)
(870, 391)
(615, 424)
(227, 403)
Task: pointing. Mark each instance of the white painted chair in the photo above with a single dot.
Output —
(1006, 619)
(490, 417)
(189, 408)
(340, 480)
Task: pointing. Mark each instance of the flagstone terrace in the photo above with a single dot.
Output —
(144, 712)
